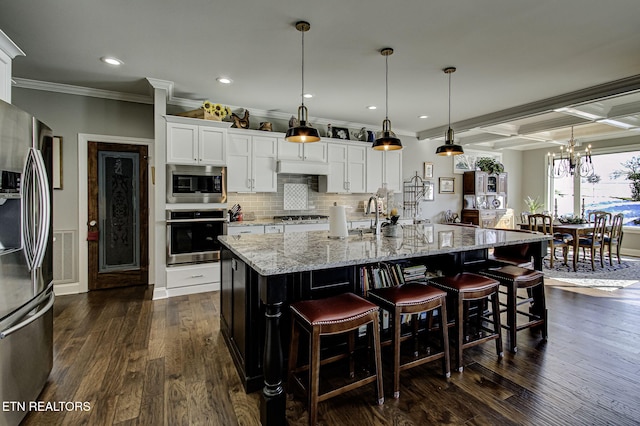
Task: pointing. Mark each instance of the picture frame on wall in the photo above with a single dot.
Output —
(428, 170)
(340, 133)
(446, 185)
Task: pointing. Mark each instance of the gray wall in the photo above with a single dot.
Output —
(69, 115)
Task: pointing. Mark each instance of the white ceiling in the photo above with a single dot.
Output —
(516, 60)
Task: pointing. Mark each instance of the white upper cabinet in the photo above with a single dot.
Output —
(316, 151)
(384, 168)
(347, 169)
(251, 163)
(196, 142)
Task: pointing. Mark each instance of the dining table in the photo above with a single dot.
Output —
(575, 230)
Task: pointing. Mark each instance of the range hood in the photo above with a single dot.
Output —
(302, 167)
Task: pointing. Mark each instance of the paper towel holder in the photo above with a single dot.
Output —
(336, 237)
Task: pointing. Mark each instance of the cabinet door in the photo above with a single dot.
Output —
(336, 181)
(502, 183)
(316, 151)
(392, 170)
(375, 169)
(265, 178)
(239, 163)
(289, 150)
(357, 169)
(481, 182)
(212, 147)
(182, 143)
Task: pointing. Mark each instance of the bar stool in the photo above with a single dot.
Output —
(413, 299)
(344, 313)
(515, 278)
(462, 289)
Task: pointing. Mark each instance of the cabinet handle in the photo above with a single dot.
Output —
(197, 276)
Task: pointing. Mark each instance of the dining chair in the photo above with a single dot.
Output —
(614, 237)
(595, 241)
(544, 223)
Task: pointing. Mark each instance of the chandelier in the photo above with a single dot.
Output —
(570, 162)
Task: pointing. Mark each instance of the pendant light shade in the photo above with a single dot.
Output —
(449, 147)
(387, 140)
(302, 133)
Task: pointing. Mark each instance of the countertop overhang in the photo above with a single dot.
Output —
(275, 254)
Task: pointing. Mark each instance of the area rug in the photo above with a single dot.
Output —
(607, 278)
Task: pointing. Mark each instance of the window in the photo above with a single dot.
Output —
(609, 189)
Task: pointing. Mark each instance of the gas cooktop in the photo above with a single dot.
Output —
(302, 217)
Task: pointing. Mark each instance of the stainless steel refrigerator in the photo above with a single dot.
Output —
(26, 263)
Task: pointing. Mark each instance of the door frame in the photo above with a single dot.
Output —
(83, 199)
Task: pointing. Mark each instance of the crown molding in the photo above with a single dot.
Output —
(9, 47)
(69, 89)
(24, 83)
(590, 94)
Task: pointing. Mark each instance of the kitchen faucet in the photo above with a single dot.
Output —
(376, 226)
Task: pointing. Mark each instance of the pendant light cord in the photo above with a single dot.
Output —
(386, 84)
(449, 100)
(302, 94)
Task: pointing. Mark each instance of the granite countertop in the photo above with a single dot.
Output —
(270, 221)
(273, 254)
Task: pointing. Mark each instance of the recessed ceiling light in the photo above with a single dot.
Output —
(372, 107)
(224, 80)
(308, 95)
(111, 60)
(423, 116)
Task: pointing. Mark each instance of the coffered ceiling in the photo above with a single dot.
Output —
(527, 71)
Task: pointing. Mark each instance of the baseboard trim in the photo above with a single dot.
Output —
(164, 293)
(66, 289)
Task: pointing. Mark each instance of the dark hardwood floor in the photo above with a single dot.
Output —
(139, 361)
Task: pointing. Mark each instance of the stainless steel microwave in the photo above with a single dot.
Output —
(196, 184)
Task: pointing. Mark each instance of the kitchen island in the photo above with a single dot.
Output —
(262, 274)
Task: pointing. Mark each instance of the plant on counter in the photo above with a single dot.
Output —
(533, 204)
(489, 165)
(218, 110)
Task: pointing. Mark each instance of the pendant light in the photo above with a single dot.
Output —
(302, 132)
(387, 140)
(449, 147)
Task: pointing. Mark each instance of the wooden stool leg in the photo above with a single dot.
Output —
(415, 321)
(496, 318)
(446, 362)
(314, 375)
(351, 339)
(460, 331)
(397, 325)
(375, 331)
(540, 306)
(293, 353)
(512, 299)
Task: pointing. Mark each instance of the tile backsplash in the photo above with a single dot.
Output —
(268, 204)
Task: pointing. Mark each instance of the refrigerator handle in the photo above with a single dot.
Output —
(44, 209)
(26, 207)
(31, 319)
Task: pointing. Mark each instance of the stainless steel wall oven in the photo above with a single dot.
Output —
(192, 235)
(196, 184)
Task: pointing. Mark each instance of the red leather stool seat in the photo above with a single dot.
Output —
(341, 308)
(408, 294)
(464, 282)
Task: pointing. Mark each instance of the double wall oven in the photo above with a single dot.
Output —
(195, 213)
